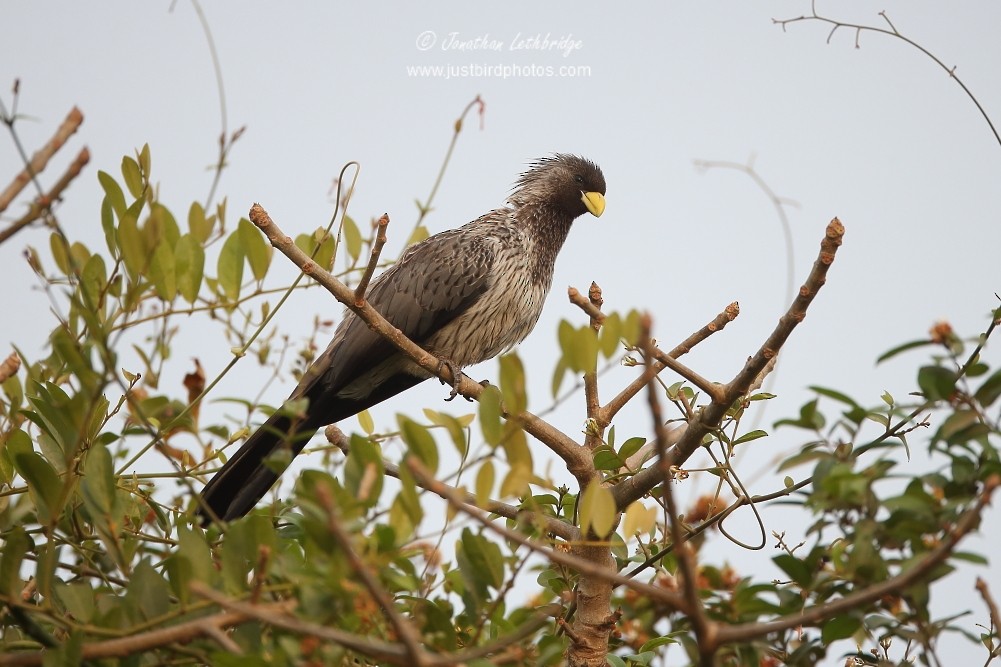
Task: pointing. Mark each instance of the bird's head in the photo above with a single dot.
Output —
(571, 184)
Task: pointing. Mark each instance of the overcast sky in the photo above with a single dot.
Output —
(879, 136)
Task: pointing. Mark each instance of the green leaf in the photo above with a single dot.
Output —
(485, 477)
(132, 246)
(44, 485)
(638, 518)
(490, 415)
(230, 266)
(15, 548)
(59, 254)
(189, 267)
(257, 250)
(78, 598)
(611, 332)
(145, 162)
(420, 442)
(198, 224)
(936, 383)
(93, 280)
(365, 422)
(585, 350)
(749, 436)
(836, 395)
(363, 471)
(99, 492)
(419, 234)
(133, 176)
(632, 327)
(113, 193)
(903, 348)
(163, 271)
(597, 509)
(630, 447)
(840, 627)
(512, 382)
(989, 391)
(352, 237)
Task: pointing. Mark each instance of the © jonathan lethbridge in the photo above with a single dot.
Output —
(564, 44)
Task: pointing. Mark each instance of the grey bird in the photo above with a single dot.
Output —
(464, 295)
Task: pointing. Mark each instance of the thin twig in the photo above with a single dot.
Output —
(705, 630)
(985, 594)
(712, 389)
(892, 32)
(380, 241)
(405, 631)
(917, 571)
(608, 412)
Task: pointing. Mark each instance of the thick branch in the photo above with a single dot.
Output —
(207, 626)
(44, 202)
(41, 158)
(575, 456)
(666, 597)
(712, 415)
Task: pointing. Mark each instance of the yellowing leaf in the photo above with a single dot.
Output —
(597, 509)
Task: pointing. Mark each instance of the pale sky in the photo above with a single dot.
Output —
(879, 136)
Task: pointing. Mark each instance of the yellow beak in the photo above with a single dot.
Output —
(595, 202)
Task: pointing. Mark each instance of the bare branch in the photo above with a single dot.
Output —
(207, 626)
(892, 32)
(44, 202)
(992, 606)
(705, 630)
(373, 261)
(576, 457)
(711, 415)
(608, 412)
(41, 158)
(280, 618)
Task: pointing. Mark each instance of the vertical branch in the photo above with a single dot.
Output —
(705, 630)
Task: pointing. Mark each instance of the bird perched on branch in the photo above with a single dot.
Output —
(464, 295)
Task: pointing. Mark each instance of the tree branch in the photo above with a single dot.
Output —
(41, 158)
(44, 202)
(575, 456)
(710, 416)
(207, 626)
(967, 522)
(608, 412)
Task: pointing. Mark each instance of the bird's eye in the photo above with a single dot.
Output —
(578, 179)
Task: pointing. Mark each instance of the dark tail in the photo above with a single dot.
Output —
(246, 478)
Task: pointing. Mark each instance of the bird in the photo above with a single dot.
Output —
(465, 295)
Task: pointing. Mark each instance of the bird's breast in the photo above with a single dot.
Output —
(502, 317)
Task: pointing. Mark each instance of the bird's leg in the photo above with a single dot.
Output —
(456, 377)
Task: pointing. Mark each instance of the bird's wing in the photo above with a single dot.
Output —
(433, 283)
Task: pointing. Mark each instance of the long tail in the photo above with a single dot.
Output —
(245, 478)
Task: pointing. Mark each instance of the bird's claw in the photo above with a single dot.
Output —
(456, 377)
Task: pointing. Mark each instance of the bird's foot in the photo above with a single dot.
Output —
(456, 378)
